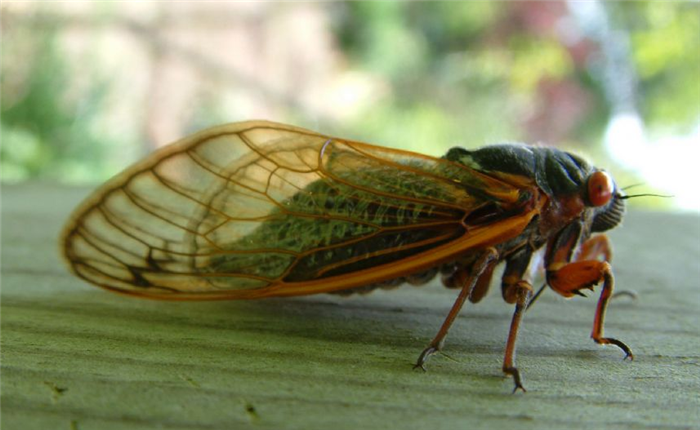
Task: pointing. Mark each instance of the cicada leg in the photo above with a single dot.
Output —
(519, 291)
(571, 278)
(522, 292)
(599, 248)
(596, 248)
(483, 265)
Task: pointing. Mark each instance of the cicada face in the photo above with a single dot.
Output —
(610, 215)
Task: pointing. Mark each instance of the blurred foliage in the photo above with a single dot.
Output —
(442, 81)
(45, 133)
(449, 73)
(478, 70)
(666, 51)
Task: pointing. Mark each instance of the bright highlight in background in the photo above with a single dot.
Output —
(668, 163)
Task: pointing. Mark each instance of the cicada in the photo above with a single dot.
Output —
(258, 209)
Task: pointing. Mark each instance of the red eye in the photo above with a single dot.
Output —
(600, 188)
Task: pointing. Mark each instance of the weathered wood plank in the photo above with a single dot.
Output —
(74, 356)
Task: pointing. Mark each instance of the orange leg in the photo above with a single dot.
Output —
(571, 278)
(599, 248)
(488, 259)
(596, 248)
(521, 291)
(518, 290)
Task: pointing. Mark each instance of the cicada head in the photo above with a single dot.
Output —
(601, 193)
(559, 174)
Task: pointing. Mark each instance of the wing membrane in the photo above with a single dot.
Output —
(260, 209)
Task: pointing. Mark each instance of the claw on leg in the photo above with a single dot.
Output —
(568, 279)
(611, 341)
(423, 357)
(522, 292)
(515, 373)
(482, 265)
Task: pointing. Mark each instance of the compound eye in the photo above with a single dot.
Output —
(600, 188)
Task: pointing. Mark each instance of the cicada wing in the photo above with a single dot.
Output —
(153, 228)
(258, 208)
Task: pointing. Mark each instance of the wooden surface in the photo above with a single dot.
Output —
(77, 357)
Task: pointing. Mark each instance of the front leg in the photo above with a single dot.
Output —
(595, 248)
(571, 278)
(599, 248)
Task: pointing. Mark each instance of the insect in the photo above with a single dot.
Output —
(260, 209)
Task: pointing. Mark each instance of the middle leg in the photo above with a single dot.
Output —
(522, 291)
(519, 291)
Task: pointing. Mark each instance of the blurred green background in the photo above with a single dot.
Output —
(89, 87)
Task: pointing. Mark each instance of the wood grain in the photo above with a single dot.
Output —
(76, 357)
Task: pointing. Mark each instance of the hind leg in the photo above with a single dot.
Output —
(482, 265)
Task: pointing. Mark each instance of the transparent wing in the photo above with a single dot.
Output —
(258, 209)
